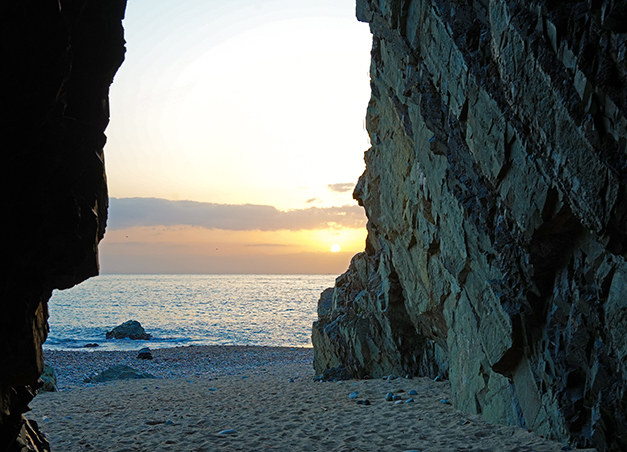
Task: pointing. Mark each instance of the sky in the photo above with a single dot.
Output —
(236, 138)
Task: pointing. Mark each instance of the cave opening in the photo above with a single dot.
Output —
(246, 84)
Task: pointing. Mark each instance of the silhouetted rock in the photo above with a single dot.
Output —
(130, 329)
(496, 193)
(58, 60)
(91, 345)
(119, 372)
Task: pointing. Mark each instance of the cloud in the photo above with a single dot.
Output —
(134, 212)
(341, 187)
(273, 245)
(309, 201)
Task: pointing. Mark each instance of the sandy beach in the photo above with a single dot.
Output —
(254, 399)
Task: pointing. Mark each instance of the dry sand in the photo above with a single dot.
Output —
(253, 399)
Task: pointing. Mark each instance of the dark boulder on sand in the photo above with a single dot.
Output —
(131, 329)
(144, 353)
(118, 372)
(48, 379)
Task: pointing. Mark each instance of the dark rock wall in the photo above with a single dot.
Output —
(496, 195)
(58, 60)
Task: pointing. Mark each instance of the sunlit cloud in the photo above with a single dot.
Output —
(137, 212)
(341, 187)
(311, 201)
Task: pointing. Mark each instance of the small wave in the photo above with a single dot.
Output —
(73, 344)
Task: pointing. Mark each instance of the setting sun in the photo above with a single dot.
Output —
(336, 248)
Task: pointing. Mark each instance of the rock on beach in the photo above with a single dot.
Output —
(49, 379)
(144, 353)
(118, 372)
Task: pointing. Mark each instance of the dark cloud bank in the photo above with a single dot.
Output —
(132, 212)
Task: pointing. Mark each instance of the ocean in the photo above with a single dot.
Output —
(179, 310)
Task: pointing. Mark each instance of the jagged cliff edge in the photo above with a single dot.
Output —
(495, 190)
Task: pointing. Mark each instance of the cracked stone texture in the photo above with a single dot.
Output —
(58, 60)
(495, 190)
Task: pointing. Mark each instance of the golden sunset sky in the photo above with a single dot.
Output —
(236, 137)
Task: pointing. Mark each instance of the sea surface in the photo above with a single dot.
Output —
(179, 310)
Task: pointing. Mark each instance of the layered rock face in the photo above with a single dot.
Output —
(495, 190)
(58, 60)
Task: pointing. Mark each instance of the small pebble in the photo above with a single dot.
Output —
(353, 395)
(463, 422)
(389, 397)
(413, 392)
(409, 400)
(398, 402)
(229, 431)
(444, 401)
(291, 380)
(396, 397)
(363, 402)
(212, 389)
(392, 377)
(169, 422)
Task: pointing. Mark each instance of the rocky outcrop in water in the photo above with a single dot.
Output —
(495, 190)
(58, 60)
(130, 329)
